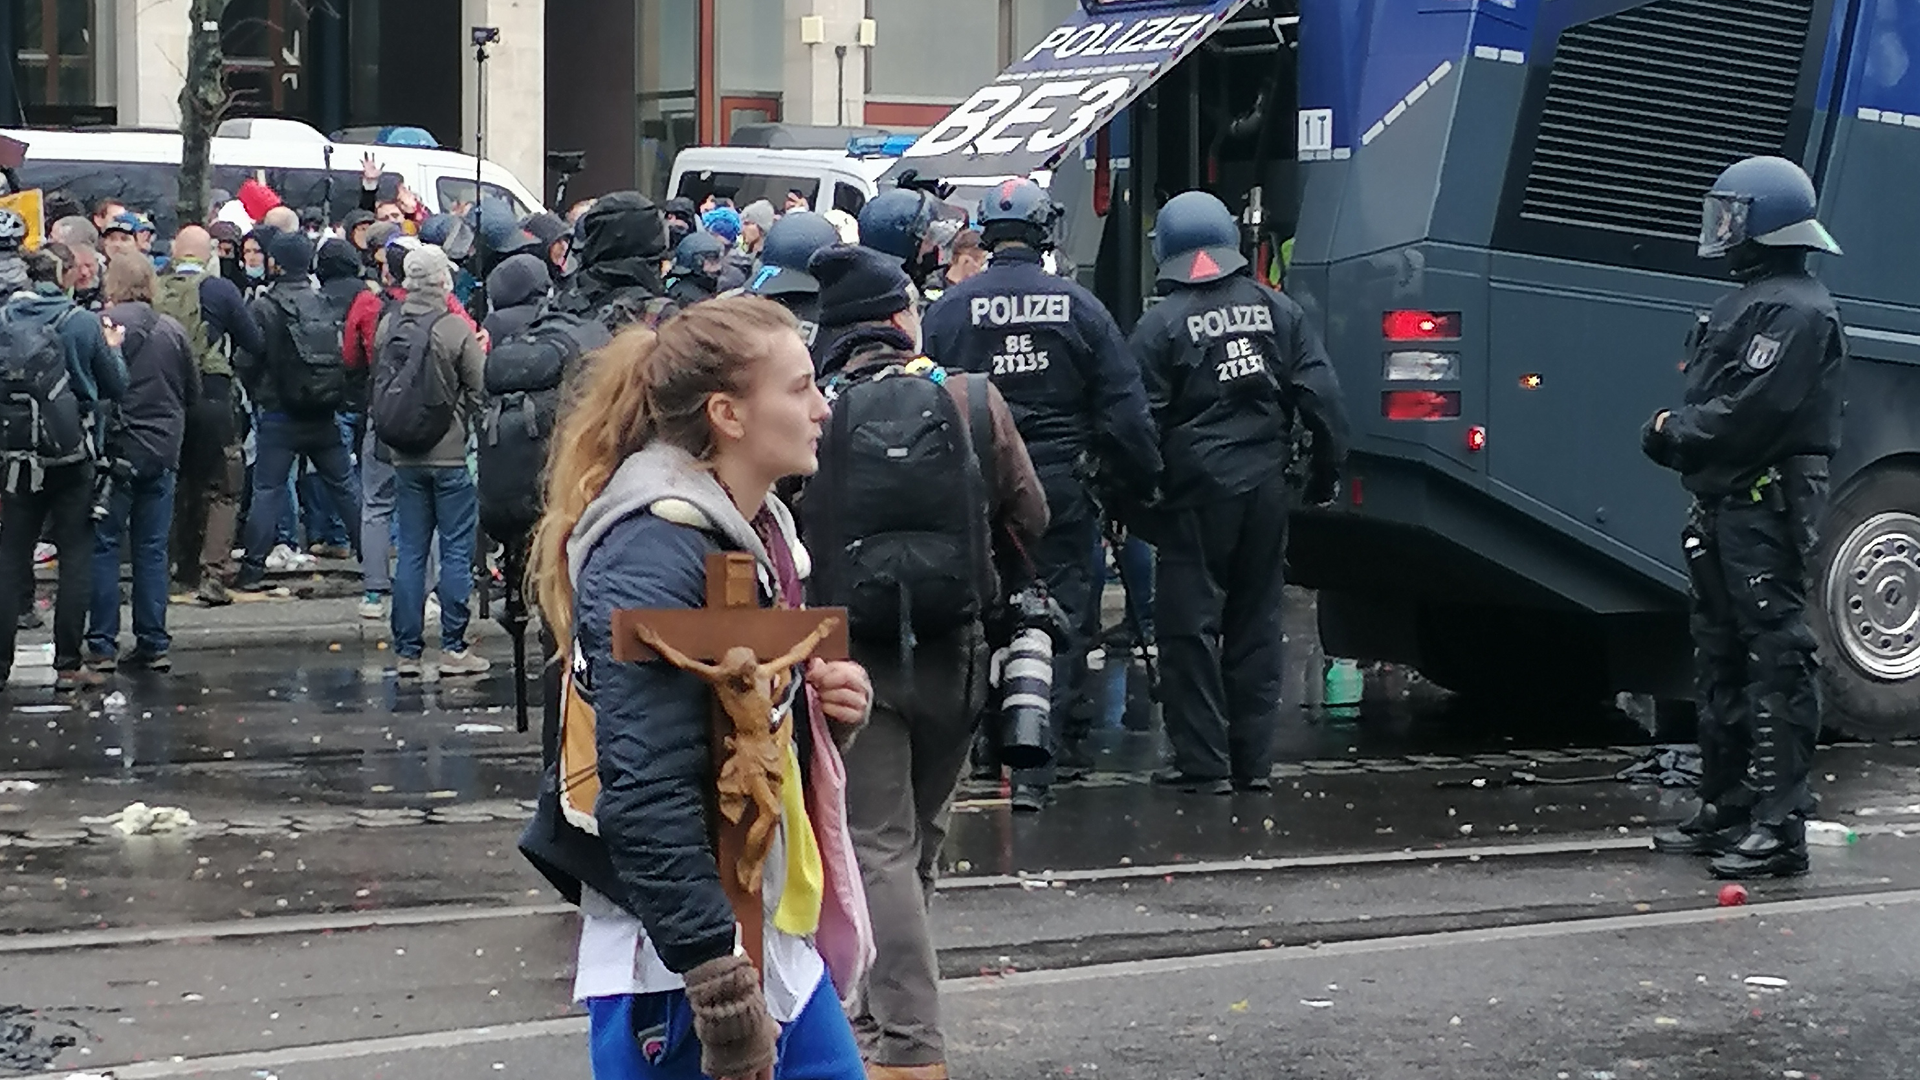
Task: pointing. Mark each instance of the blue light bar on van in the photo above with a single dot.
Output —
(406, 136)
(866, 146)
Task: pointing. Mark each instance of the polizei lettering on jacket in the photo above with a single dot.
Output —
(1238, 319)
(1022, 310)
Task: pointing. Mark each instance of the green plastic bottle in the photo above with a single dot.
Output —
(1346, 685)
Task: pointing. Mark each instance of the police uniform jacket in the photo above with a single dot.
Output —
(1058, 358)
(1764, 384)
(1228, 366)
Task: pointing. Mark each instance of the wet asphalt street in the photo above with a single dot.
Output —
(1439, 889)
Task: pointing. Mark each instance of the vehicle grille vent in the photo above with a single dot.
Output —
(1644, 108)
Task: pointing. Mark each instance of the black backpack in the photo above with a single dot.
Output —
(896, 518)
(313, 381)
(42, 420)
(525, 375)
(412, 404)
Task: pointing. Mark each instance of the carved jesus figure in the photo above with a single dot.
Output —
(755, 754)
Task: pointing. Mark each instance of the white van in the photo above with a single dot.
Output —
(827, 179)
(141, 168)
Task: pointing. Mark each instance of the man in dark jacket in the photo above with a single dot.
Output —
(621, 243)
(64, 496)
(337, 266)
(783, 277)
(212, 469)
(904, 767)
(515, 292)
(1229, 365)
(1055, 352)
(296, 395)
(163, 381)
(696, 268)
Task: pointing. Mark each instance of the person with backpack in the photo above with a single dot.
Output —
(338, 269)
(922, 473)
(163, 381)
(58, 363)
(429, 370)
(620, 241)
(206, 509)
(298, 383)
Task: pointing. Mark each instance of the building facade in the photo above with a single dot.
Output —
(628, 82)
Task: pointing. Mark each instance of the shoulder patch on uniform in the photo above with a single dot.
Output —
(1762, 351)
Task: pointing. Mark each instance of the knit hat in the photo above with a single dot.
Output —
(758, 212)
(257, 198)
(547, 227)
(381, 233)
(723, 222)
(858, 285)
(428, 268)
(292, 252)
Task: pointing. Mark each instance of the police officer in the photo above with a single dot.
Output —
(1061, 363)
(899, 223)
(1229, 366)
(783, 276)
(696, 269)
(1751, 442)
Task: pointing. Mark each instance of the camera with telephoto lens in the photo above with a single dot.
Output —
(1023, 675)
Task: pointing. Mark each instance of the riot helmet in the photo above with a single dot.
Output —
(13, 231)
(783, 258)
(1018, 211)
(1767, 201)
(699, 254)
(1196, 239)
(896, 222)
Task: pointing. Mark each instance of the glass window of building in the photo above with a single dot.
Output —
(56, 60)
(668, 40)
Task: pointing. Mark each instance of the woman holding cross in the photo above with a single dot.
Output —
(669, 452)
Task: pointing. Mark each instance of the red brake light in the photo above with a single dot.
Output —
(1420, 404)
(1476, 438)
(1420, 325)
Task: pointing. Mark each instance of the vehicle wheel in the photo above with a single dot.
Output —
(1867, 600)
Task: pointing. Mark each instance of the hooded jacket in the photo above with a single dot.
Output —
(163, 382)
(99, 373)
(643, 544)
(337, 266)
(622, 242)
(516, 289)
(462, 364)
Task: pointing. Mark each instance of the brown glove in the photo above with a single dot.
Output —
(737, 1037)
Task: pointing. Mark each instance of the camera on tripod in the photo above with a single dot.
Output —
(1023, 675)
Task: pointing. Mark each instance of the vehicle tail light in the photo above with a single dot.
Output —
(1476, 438)
(1420, 404)
(1420, 325)
(1410, 365)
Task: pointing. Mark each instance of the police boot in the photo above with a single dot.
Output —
(1767, 851)
(1712, 830)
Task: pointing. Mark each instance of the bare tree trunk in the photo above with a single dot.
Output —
(203, 102)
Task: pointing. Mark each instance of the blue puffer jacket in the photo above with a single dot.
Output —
(634, 549)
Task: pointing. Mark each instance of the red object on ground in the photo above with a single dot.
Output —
(1733, 895)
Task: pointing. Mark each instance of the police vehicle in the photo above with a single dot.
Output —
(1491, 209)
(141, 167)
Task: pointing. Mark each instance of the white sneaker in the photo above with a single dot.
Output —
(463, 662)
(239, 553)
(373, 606)
(280, 558)
(300, 560)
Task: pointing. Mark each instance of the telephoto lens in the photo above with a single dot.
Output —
(1026, 688)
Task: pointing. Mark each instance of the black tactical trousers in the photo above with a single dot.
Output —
(1755, 673)
(1067, 562)
(1221, 576)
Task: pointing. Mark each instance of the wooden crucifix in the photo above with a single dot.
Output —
(746, 653)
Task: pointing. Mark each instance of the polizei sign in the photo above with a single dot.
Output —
(1064, 88)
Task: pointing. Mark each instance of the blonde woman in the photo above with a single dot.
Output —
(670, 451)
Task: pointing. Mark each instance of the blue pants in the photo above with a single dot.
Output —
(143, 507)
(650, 1037)
(433, 502)
(278, 441)
(324, 522)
